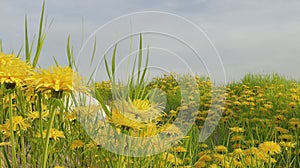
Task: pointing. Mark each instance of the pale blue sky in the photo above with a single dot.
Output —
(258, 36)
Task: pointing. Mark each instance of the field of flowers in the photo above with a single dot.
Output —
(259, 127)
(42, 124)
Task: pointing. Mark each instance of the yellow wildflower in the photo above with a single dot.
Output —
(200, 164)
(285, 137)
(236, 129)
(77, 144)
(5, 144)
(270, 147)
(36, 114)
(178, 149)
(18, 123)
(171, 158)
(54, 134)
(205, 158)
(236, 138)
(55, 79)
(13, 70)
(221, 149)
(288, 145)
(281, 130)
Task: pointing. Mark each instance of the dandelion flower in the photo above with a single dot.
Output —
(171, 158)
(55, 79)
(288, 145)
(36, 115)
(18, 123)
(77, 144)
(54, 134)
(285, 137)
(205, 158)
(13, 70)
(281, 130)
(270, 147)
(5, 144)
(179, 149)
(200, 164)
(134, 114)
(170, 129)
(236, 129)
(221, 149)
(236, 138)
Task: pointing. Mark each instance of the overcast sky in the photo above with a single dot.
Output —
(257, 36)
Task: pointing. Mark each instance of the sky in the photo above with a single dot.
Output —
(230, 37)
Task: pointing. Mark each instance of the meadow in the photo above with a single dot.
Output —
(257, 119)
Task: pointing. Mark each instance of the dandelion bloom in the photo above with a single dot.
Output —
(179, 149)
(288, 145)
(54, 134)
(55, 79)
(237, 129)
(134, 114)
(5, 144)
(205, 158)
(171, 158)
(200, 164)
(18, 123)
(77, 144)
(270, 147)
(221, 149)
(13, 70)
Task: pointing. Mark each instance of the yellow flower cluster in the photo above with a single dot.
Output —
(13, 70)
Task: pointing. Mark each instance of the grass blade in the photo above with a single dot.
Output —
(27, 47)
(94, 51)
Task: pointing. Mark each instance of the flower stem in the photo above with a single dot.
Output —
(13, 148)
(45, 154)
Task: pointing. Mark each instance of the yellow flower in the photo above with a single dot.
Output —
(238, 151)
(77, 144)
(281, 130)
(36, 114)
(59, 167)
(236, 129)
(219, 157)
(91, 144)
(270, 147)
(205, 158)
(134, 114)
(71, 116)
(285, 137)
(287, 145)
(55, 79)
(120, 120)
(292, 104)
(13, 70)
(5, 144)
(141, 104)
(221, 149)
(203, 145)
(54, 134)
(170, 129)
(236, 138)
(178, 149)
(200, 164)
(171, 158)
(213, 166)
(18, 123)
